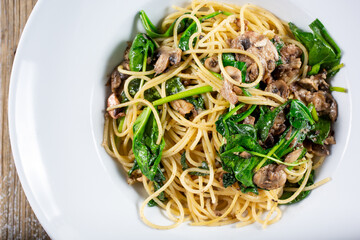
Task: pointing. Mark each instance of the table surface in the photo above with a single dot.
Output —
(17, 220)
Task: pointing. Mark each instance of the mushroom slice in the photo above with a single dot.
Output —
(316, 149)
(115, 80)
(270, 177)
(212, 64)
(167, 55)
(293, 156)
(278, 87)
(227, 90)
(182, 106)
(112, 101)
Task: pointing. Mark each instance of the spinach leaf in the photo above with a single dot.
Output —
(150, 94)
(183, 162)
(320, 131)
(174, 86)
(299, 115)
(229, 60)
(153, 32)
(323, 51)
(147, 152)
(266, 121)
(243, 141)
(142, 48)
(241, 168)
(185, 37)
(228, 179)
(303, 194)
(227, 123)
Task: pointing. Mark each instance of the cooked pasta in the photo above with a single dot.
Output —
(187, 116)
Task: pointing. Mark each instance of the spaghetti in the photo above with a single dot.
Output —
(193, 169)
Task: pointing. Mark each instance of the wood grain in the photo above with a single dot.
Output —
(17, 220)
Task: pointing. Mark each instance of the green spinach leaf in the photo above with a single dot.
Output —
(185, 37)
(320, 131)
(299, 115)
(142, 48)
(153, 32)
(266, 121)
(147, 152)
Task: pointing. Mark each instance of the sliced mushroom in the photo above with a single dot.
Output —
(182, 106)
(293, 156)
(314, 83)
(316, 149)
(115, 80)
(260, 46)
(330, 140)
(136, 176)
(291, 63)
(249, 120)
(212, 64)
(270, 177)
(167, 55)
(245, 155)
(278, 87)
(112, 101)
(227, 90)
(279, 124)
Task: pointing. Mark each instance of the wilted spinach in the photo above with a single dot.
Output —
(323, 51)
(174, 85)
(150, 94)
(299, 115)
(266, 121)
(185, 37)
(153, 32)
(142, 47)
(147, 152)
(320, 131)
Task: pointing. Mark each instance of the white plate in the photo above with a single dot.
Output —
(56, 109)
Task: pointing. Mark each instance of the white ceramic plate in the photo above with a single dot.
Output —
(56, 107)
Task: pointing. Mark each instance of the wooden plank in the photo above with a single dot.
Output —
(17, 220)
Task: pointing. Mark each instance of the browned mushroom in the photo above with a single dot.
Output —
(278, 87)
(291, 62)
(227, 90)
(136, 176)
(316, 149)
(260, 46)
(293, 156)
(279, 124)
(167, 55)
(115, 80)
(112, 101)
(245, 154)
(212, 64)
(314, 83)
(182, 106)
(270, 177)
(249, 120)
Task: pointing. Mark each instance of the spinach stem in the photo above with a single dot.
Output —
(274, 159)
(184, 94)
(338, 89)
(234, 110)
(268, 155)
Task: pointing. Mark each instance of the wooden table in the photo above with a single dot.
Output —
(17, 220)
